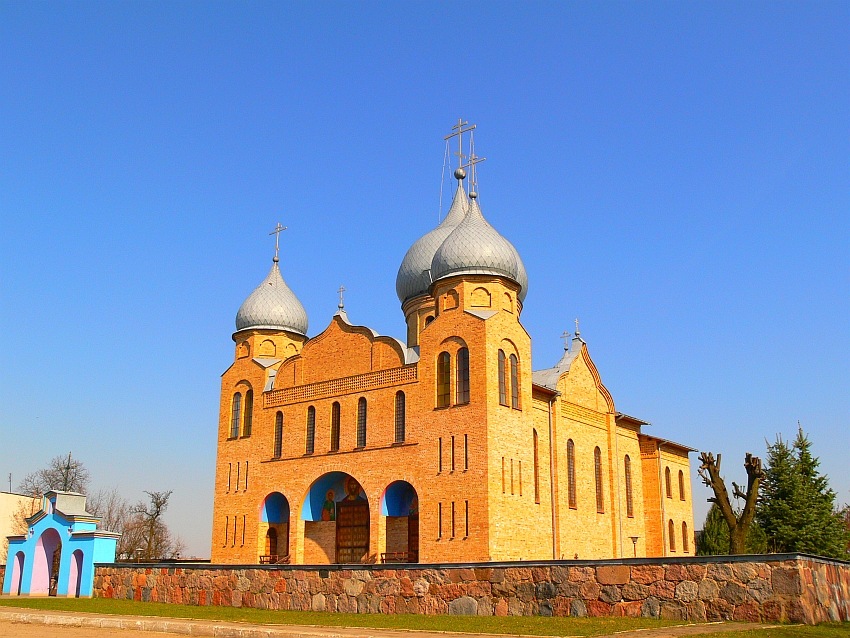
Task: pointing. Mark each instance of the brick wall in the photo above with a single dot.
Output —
(778, 587)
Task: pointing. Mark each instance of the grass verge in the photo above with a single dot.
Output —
(516, 625)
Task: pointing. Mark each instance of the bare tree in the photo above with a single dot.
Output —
(739, 524)
(146, 533)
(23, 510)
(112, 508)
(63, 474)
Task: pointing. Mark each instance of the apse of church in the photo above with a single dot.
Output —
(349, 446)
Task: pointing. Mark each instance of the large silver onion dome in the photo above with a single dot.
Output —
(474, 247)
(272, 306)
(413, 279)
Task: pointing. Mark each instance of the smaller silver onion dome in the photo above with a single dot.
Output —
(272, 306)
(474, 247)
(413, 278)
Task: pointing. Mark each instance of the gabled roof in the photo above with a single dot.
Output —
(548, 378)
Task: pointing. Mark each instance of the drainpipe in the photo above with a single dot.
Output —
(552, 483)
(663, 509)
(619, 484)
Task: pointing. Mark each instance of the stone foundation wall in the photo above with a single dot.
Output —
(778, 587)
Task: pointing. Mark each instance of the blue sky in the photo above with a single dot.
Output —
(676, 175)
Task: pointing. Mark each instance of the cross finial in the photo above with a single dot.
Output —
(341, 304)
(459, 131)
(566, 338)
(578, 334)
(276, 232)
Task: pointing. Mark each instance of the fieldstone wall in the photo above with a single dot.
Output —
(778, 587)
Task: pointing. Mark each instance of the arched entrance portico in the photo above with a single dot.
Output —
(274, 529)
(75, 573)
(45, 565)
(400, 506)
(336, 520)
(17, 574)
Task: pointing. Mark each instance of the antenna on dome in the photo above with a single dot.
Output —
(276, 232)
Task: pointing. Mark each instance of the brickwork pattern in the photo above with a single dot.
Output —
(774, 588)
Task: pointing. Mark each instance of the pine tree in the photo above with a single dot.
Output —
(714, 538)
(797, 510)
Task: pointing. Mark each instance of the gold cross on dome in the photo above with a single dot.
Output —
(459, 131)
(276, 232)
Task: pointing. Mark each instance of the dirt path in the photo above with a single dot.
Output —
(42, 624)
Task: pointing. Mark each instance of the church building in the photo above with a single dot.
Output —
(352, 447)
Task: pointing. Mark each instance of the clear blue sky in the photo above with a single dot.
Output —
(676, 175)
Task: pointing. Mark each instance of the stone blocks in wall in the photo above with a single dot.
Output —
(768, 589)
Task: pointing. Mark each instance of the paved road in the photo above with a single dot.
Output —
(20, 623)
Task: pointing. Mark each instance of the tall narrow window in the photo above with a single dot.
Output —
(444, 379)
(399, 416)
(440, 455)
(682, 487)
(278, 434)
(503, 390)
(686, 546)
(235, 415)
(466, 520)
(519, 474)
(453, 457)
(238, 474)
(503, 475)
(453, 519)
(667, 482)
(311, 430)
(466, 451)
(514, 382)
(462, 395)
(571, 474)
(249, 413)
(439, 520)
(630, 511)
(536, 470)
(226, 529)
(229, 474)
(246, 475)
(512, 476)
(671, 532)
(361, 422)
(335, 427)
(600, 497)
(234, 531)
(244, 519)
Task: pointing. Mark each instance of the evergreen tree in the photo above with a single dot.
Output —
(797, 510)
(714, 538)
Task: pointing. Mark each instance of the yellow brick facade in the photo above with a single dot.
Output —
(354, 447)
(481, 493)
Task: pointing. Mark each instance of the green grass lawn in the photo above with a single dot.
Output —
(525, 625)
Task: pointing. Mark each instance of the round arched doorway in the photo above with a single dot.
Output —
(274, 529)
(336, 520)
(400, 506)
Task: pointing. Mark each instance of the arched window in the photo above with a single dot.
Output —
(514, 382)
(399, 417)
(311, 430)
(600, 497)
(335, 427)
(686, 546)
(667, 482)
(444, 379)
(682, 487)
(235, 415)
(671, 532)
(462, 395)
(571, 474)
(278, 434)
(630, 511)
(503, 391)
(361, 422)
(249, 413)
(536, 470)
